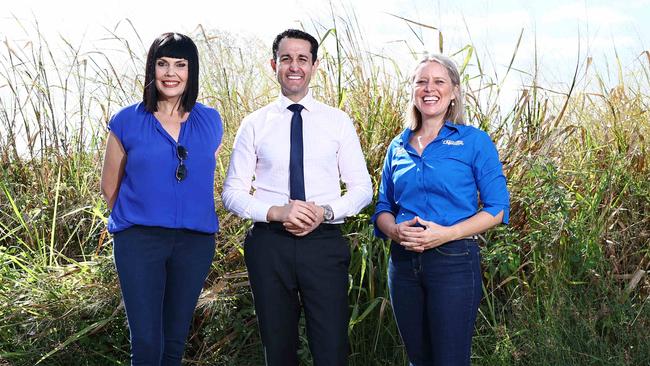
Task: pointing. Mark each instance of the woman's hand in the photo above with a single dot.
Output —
(405, 231)
(432, 236)
(398, 233)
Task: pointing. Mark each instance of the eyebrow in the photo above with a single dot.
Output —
(289, 55)
(434, 78)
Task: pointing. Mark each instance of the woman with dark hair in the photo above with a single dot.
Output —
(428, 206)
(158, 181)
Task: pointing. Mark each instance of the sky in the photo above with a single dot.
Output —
(564, 32)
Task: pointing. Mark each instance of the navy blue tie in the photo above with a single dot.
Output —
(296, 168)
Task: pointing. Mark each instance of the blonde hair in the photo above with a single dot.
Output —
(455, 111)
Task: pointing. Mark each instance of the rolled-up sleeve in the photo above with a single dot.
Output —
(490, 180)
(385, 196)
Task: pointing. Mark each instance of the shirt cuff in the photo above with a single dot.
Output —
(494, 210)
(259, 210)
(339, 208)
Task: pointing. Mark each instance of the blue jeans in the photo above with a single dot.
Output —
(161, 274)
(435, 297)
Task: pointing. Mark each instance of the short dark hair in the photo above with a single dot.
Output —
(296, 33)
(173, 45)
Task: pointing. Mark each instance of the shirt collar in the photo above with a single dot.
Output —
(448, 128)
(307, 101)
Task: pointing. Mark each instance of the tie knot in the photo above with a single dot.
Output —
(295, 108)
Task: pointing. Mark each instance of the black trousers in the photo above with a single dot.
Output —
(288, 272)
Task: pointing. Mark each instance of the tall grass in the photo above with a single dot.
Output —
(564, 283)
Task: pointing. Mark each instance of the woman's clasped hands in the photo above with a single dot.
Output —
(419, 235)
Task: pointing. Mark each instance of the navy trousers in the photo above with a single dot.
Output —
(435, 297)
(161, 274)
(288, 272)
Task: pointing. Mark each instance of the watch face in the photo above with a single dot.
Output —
(329, 214)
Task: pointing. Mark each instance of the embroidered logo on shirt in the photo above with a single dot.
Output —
(453, 143)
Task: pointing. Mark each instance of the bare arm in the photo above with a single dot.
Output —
(216, 152)
(436, 235)
(112, 170)
(479, 223)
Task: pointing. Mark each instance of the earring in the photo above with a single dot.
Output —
(453, 103)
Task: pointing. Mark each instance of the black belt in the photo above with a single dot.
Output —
(277, 226)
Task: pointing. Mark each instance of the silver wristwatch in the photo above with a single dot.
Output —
(328, 214)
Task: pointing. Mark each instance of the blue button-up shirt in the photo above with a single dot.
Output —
(443, 184)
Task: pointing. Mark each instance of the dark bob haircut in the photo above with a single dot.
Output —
(295, 33)
(173, 45)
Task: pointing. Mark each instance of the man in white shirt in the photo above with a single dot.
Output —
(294, 153)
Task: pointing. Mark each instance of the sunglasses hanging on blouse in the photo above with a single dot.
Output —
(181, 169)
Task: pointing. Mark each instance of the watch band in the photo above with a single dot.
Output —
(328, 214)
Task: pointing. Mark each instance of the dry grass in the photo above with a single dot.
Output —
(562, 282)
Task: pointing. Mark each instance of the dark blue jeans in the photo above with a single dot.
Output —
(435, 297)
(161, 274)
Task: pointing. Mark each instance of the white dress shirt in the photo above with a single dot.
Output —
(260, 160)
